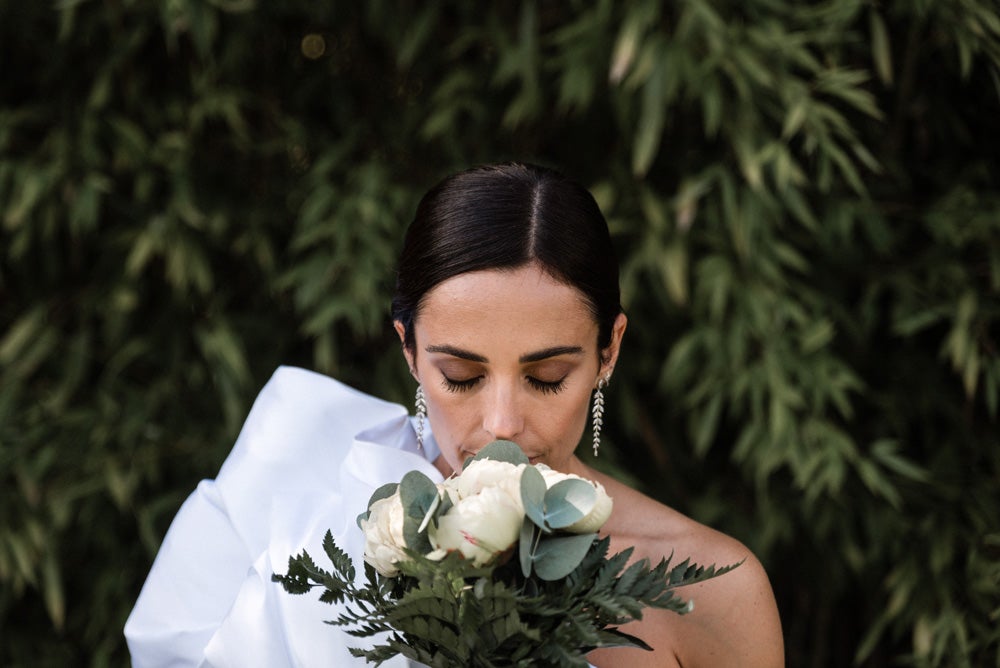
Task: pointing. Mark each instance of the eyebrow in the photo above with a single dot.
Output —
(527, 358)
(555, 351)
(456, 352)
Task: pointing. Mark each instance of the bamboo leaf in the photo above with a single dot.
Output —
(652, 118)
(881, 51)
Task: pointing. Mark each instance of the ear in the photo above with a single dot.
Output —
(410, 360)
(609, 356)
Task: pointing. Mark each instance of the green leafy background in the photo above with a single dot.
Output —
(806, 202)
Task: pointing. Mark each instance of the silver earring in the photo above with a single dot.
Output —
(598, 412)
(421, 416)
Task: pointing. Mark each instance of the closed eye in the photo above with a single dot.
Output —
(545, 386)
(466, 384)
(463, 385)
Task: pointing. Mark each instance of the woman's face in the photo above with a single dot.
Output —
(508, 355)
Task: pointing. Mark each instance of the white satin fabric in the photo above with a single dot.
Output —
(308, 458)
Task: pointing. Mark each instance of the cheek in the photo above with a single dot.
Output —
(449, 409)
(569, 420)
(452, 422)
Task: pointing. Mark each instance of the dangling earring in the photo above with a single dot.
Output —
(598, 412)
(421, 416)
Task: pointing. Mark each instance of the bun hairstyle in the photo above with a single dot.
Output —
(507, 216)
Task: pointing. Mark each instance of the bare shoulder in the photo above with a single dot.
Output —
(735, 619)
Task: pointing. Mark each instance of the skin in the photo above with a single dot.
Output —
(513, 355)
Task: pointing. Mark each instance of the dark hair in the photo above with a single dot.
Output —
(504, 217)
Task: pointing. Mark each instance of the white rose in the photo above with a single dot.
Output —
(483, 473)
(597, 516)
(479, 526)
(384, 542)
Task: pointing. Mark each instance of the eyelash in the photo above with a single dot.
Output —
(547, 388)
(460, 385)
(539, 385)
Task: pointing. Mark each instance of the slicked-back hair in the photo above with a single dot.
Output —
(507, 216)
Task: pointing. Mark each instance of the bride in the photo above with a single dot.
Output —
(507, 309)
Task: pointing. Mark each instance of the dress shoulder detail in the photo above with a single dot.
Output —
(305, 461)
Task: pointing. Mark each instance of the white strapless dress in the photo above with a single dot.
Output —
(308, 458)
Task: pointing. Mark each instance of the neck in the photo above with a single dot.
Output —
(577, 467)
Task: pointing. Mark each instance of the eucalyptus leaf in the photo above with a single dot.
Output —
(501, 451)
(430, 514)
(383, 492)
(555, 557)
(419, 495)
(533, 496)
(568, 501)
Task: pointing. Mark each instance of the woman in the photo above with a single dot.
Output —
(507, 308)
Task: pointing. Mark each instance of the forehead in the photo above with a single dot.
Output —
(526, 304)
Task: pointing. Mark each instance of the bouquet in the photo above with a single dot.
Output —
(500, 565)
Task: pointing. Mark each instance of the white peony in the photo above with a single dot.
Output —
(384, 542)
(479, 526)
(483, 473)
(597, 516)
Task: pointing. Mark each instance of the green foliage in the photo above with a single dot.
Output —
(805, 202)
(500, 451)
(419, 496)
(450, 613)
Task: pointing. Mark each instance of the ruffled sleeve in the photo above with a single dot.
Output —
(295, 472)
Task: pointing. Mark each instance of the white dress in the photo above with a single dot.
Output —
(308, 458)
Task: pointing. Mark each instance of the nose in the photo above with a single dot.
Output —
(502, 418)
